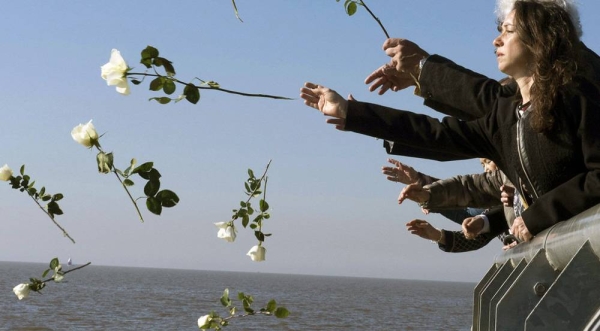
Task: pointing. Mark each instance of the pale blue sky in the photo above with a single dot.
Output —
(333, 213)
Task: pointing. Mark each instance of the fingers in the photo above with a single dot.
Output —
(378, 73)
(310, 95)
(340, 123)
(390, 173)
(393, 161)
(519, 230)
(391, 42)
(472, 226)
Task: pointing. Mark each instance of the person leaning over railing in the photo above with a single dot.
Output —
(544, 138)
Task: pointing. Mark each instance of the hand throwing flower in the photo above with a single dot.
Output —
(115, 72)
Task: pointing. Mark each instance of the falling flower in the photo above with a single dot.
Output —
(5, 173)
(257, 253)
(226, 231)
(114, 72)
(22, 291)
(85, 134)
(204, 321)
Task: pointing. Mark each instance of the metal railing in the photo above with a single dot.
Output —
(549, 283)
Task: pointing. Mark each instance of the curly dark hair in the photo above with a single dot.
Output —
(548, 33)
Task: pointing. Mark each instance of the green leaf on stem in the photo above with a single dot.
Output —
(192, 94)
(245, 220)
(167, 198)
(128, 182)
(251, 173)
(22, 170)
(351, 8)
(147, 63)
(45, 273)
(57, 197)
(149, 52)
(144, 167)
(225, 301)
(153, 205)
(281, 312)
(54, 209)
(271, 306)
(161, 100)
(151, 188)
(168, 65)
(264, 206)
(156, 84)
(54, 263)
(169, 86)
(135, 82)
(259, 235)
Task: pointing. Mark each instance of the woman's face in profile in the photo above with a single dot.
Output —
(511, 54)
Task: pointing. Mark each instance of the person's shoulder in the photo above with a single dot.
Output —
(582, 88)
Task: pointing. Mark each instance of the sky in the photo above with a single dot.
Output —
(332, 211)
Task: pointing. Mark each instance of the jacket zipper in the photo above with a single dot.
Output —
(520, 152)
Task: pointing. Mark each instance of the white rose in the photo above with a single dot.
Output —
(22, 291)
(257, 253)
(85, 134)
(58, 275)
(5, 173)
(114, 72)
(226, 231)
(204, 321)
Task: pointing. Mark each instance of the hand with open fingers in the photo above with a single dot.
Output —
(387, 78)
(326, 100)
(414, 192)
(400, 172)
(519, 230)
(471, 226)
(423, 229)
(405, 55)
(507, 195)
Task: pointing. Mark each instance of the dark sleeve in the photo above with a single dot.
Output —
(457, 91)
(423, 133)
(457, 243)
(497, 220)
(397, 148)
(477, 190)
(582, 191)
(455, 215)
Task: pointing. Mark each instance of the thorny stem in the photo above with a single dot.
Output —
(373, 15)
(245, 315)
(53, 220)
(211, 88)
(129, 194)
(114, 170)
(252, 193)
(66, 272)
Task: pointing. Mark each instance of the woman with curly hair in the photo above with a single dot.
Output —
(545, 137)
